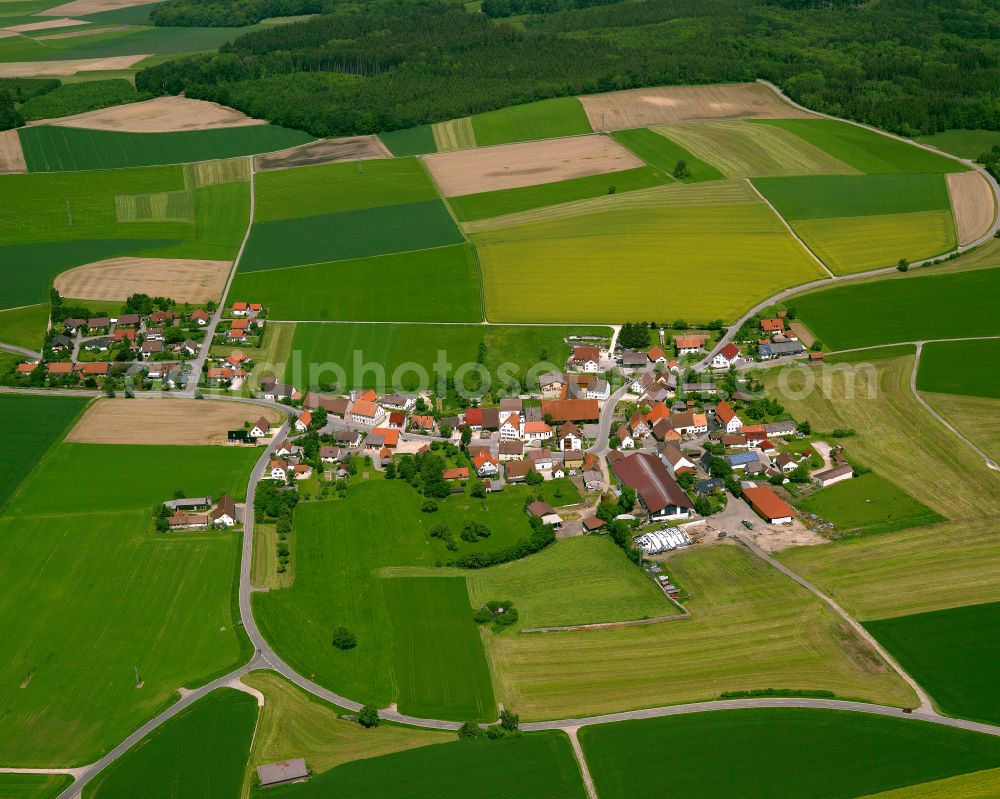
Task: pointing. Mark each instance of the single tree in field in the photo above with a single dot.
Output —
(368, 717)
(903, 265)
(681, 170)
(344, 638)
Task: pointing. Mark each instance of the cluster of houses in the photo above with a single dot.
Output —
(201, 513)
(246, 323)
(779, 340)
(230, 371)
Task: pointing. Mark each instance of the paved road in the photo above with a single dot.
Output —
(20, 351)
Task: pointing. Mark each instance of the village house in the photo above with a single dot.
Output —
(331, 454)
(511, 450)
(727, 418)
(302, 471)
(128, 320)
(239, 309)
(551, 384)
(676, 461)
(770, 351)
(261, 428)
(99, 324)
(423, 423)
(726, 357)
(390, 436)
(632, 360)
(151, 348)
(536, 431)
(755, 434)
(689, 345)
(348, 438)
(570, 436)
(658, 492)
(638, 426)
(625, 438)
(201, 317)
(689, 423)
(398, 402)
(656, 355)
(517, 471)
(278, 469)
(486, 465)
(771, 326)
(161, 317)
(508, 407)
(835, 475)
(642, 383)
(585, 359)
(95, 369)
(544, 512)
(510, 428)
(224, 513)
(367, 412)
(303, 422)
(273, 390)
(598, 389)
(786, 463)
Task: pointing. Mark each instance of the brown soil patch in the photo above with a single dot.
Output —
(42, 25)
(11, 155)
(182, 279)
(774, 538)
(160, 115)
(973, 204)
(87, 32)
(81, 7)
(662, 105)
(67, 67)
(326, 151)
(512, 166)
(804, 333)
(164, 421)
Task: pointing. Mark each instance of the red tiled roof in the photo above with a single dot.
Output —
(767, 503)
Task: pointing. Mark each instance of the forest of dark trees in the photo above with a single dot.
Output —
(230, 13)
(909, 66)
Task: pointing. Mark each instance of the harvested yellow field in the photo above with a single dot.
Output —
(67, 67)
(455, 134)
(973, 203)
(975, 785)
(181, 279)
(742, 150)
(512, 166)
(667, 105)
(159, 115)
(212, 173)
(324, 151)
(164, 421)
(11, 154)
(81, 7)
(45, 24)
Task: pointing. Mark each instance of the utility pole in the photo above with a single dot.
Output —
(138, 680)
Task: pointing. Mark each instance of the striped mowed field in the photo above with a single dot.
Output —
(455, 134)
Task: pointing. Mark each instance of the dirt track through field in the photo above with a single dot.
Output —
(510, 166)
(67, 67)
(183, 280)
(665, 105)
(166, 421)
(11, 155)
(160, 115)
(973, 204)
(81, 7)
(325, 151)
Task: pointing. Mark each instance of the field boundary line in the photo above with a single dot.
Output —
(341, 260)
(581, 762)
(789, 228)
(602, 625)
(913, 343)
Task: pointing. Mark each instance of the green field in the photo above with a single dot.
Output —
(974, 785)
(977, 418)
(539, 765)
(387, 349)
(50, 148)
(331, 188)
(863, 149)
(830, 196)
(614, 589)
(740, 149)
(24, 327)
(200, 752)
(33, 786)
(349, 234)
(412, 141)
(868, 505)
(921, 306)
(439, 285)
(434, 636)
(964, 143)
(661, 235)
(29, 426)
(662, 153)
(954, 654)
(750, 628)
(546, 119)
(508, 201)
(822, 754)
(961, 367)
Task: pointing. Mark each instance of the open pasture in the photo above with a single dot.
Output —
(24, 326)
(439, 661)
(332, 188)
(977, 418)
(159, 115)
(438, 285)
(969, 144)
(349, 234)
(973, 203)
(49, 148)
(833, 196)
(739, 149)
(660, 234)
(924, 305)
(324, 151)
(972, 785)
(961, 367)
(183, 280)
(33, 786)
(865, 149)
(545, 119)
(895, 435)
(540, 765)
(664, 154)
(868, 505)
(751, 628)
(411, 141)
(667, 105)
(954, 654)
(614, 588)
(824, 754)
(166, 421)
(515, 166)
(29, 426)
(201, 753)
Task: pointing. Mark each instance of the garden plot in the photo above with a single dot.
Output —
(185, 280)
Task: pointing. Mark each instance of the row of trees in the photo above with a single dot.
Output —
(229, 13)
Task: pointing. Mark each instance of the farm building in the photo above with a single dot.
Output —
(658, 492)
(768, 505)
(835, 475)
(281, 773)
(573, 410)
(661, 541)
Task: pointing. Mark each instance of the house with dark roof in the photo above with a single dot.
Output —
(658, 492)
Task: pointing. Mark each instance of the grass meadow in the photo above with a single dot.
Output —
(865, 150)
(973, 785)
(954, 654)
(200, 753)
(751, 628)
(508, 201)
(964, 143)
(660, 235)
(545, 119)
(438, 285)
(332, 188)
(664, 154)
(868, 505)
(33, 786)
(349, 234)
(50, 148)
(540, 765)
(24, 327)
(961, 367)
(831, 196)
(29, 426)
(435, 636)
(977, 418)
(823, 754)
(924, 305)
(538, 585)
(411, 141)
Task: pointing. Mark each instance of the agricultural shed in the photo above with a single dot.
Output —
(768, 505)
(283, 772)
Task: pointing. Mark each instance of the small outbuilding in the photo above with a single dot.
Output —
(282, 773)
